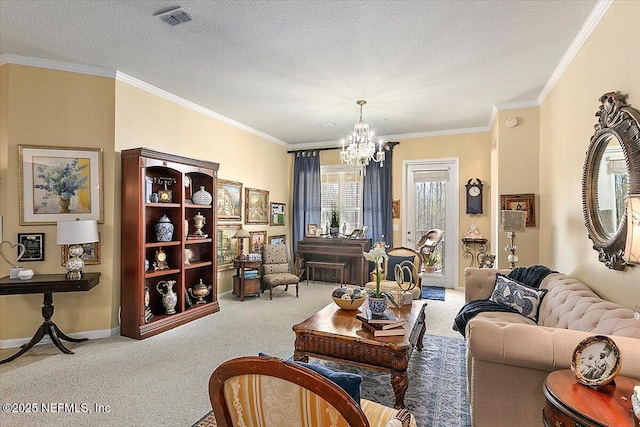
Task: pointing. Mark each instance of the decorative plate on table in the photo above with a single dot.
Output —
(596, 360)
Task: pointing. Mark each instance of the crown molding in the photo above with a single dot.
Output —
(594, 18)
(7, 58)
(122, 77)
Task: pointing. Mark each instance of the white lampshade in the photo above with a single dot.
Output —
(241, 234)
(77, 232)
(513, 221)
(632, 247)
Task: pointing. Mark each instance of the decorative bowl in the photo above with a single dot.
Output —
(347, 304)
(25, 274)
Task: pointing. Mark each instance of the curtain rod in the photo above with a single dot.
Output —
(391, 143)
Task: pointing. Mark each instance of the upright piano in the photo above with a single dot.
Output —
(338, 250)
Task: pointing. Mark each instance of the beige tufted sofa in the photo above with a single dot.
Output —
(509, 356)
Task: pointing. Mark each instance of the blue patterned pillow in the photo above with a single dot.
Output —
(522, 298)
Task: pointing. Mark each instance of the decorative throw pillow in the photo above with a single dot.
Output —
(520, 297)
(391, 266)
(347, 381)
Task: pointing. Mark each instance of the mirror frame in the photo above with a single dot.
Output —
(619, 120)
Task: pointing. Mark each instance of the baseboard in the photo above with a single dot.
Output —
(102, 333)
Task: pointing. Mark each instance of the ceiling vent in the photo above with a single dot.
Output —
(173, 16)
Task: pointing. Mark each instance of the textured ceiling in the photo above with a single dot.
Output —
(284, 67)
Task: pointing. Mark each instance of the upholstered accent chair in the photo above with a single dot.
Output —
(275, 269)
(404, 257)
(258, 390)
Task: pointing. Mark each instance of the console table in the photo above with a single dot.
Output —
(47, 284)
(569, 403)
(474, 248)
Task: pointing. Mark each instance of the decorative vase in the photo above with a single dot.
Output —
(377, 305)
(199, 221)
(202, 197)
(169, 297)
(334, 231)
(64, 204)
(164, 229)
(199, 292)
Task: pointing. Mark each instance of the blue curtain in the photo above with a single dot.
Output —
(306, 194)
(376, 198)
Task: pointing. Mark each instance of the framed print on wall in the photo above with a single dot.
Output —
(90, 256)
(33, 246)
(274, 240)
(277, 213)
(521, 202)
(258, 238)
(256, 203)
(395, 209)
(229, 200)
(228, 247)
(59, 184)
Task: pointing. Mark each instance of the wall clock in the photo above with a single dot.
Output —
(474, 196)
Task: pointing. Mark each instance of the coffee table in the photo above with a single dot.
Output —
(335, 334)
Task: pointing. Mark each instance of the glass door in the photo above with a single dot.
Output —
(430, 189)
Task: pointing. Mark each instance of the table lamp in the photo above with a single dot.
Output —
(512, 221)
(632, 247)
(74, 234)
(241, 234)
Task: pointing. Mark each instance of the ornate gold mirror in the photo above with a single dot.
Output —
(611, 172)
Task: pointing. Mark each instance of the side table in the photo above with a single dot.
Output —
(47, 284)
(569, 403)
(245, 286)
(473, 249)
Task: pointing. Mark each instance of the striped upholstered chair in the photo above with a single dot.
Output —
(275, 269)
(265, 391)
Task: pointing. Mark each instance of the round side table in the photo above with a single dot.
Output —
(569, 403)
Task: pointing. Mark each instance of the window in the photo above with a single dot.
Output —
(341, 188)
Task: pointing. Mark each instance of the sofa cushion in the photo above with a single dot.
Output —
(522, 298)
(347, 381)
(391, 266)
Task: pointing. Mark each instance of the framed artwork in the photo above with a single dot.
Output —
(274, 240)
(395, 209)
(229, 200)
(277, 213)
(258, 238)
(355, 234)
(90, 256)
(33, 246)
(596, 360)
(256, 206)
(59, 183)
(228, 248)
(311, 230)
(521, 202)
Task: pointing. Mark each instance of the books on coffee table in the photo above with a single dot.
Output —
(385, 318)
(377, 331)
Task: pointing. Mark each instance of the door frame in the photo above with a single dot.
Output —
(452, 227)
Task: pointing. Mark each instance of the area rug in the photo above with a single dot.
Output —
(437, 394)
(433, 292)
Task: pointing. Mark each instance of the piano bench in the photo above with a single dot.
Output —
(342, 267)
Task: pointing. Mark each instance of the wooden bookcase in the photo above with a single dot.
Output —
(139, 215)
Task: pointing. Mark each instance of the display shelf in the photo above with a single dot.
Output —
(147, 174)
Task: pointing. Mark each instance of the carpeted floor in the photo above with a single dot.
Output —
(437, 384)
(433, 292)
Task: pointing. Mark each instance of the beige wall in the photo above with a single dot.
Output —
(54, 108)
(608, 61)
(472, 151)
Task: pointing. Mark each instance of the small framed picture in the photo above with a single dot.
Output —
(355, 234)
(90, 256)
(277, 213)
(395, 209)
(365, 229)
(258, 238)
(596, 360)
(521, 202)
(274, 240)
(311, 230)
(33, 246)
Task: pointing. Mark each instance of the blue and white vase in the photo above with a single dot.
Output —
(164, 229)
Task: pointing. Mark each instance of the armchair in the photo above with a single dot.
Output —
(275, 268)
(256, 390)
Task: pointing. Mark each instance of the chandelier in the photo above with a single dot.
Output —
(361, 149)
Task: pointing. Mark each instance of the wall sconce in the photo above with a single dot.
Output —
(512, 222)
(74, 234)
(241, 234)
(632, 247)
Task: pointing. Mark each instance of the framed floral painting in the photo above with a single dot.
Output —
(59, 184)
